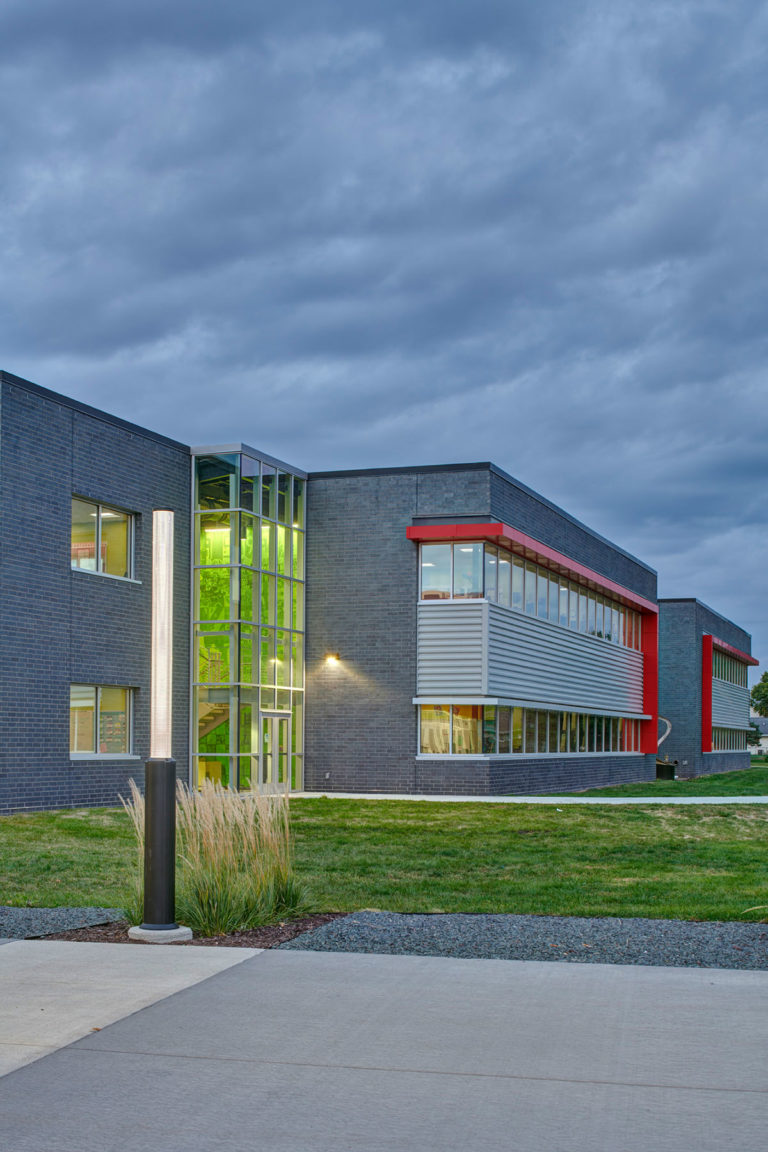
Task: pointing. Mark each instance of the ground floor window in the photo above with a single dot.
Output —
(99, 720)
(477, 729)
(729, 740)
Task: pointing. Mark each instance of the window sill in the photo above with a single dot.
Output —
(103, 756)
(519, 755)
(106, 575)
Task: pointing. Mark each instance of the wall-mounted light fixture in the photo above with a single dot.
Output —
(332, 658)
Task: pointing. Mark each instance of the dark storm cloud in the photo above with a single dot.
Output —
(379, 233)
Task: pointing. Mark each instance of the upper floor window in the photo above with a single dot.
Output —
(472, 570)
(102, 539)
(724, 667)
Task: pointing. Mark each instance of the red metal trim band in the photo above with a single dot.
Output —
(706, 693)
(503, 533)
(743, 657)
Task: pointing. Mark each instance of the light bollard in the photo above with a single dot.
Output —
(159, 926)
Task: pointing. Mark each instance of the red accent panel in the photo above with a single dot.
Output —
(744, 657)
(504, 535)
(706, 693)
(649, 729)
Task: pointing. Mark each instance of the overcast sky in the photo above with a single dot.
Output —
(375, 232)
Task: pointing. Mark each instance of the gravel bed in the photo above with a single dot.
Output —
(23, 923)
(578, 940)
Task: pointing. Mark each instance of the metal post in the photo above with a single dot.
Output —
(160, 846)
(159, 925)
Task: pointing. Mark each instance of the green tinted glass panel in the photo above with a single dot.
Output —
(214, 769)
(212, 722)
(213, 659)
(297, 773)
(298, 606)
(297, 660)
(267, 546)
(283, 603)
(298, 555)
(246, 772)
(297, 727)
(213, 594)
(298, 503)
(248, 736)
(249, 594)
(282, 659)
(249, 663)
(283, 700)
(215, 533)
(267, 649)
(283, 497)
(268, 600)
(246, 538)
(283, 551)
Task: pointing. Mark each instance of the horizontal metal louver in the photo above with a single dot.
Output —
(531, 659)
(730, 705)
(451, 648)
(477, 648)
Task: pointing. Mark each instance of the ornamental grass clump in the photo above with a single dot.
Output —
(234, 859)
(134, 905)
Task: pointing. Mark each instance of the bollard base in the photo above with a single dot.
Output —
(160, 935)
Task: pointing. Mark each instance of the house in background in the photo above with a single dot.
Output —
(406, 630)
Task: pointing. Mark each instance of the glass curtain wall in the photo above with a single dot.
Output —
(248, 649)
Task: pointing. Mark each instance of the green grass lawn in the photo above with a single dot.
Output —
(685, 862)
(747, 782)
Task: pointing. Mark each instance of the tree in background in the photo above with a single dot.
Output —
(753, 735)
(759, 696)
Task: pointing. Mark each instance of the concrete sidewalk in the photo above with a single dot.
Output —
(559, 801)
(324, 1052)
(55, 991)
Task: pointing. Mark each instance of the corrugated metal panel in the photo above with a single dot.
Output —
(730, 705)
(531, 659)
(475, 648)
(451, 648)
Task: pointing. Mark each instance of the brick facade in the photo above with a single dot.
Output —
(62, 626)
(362, 594)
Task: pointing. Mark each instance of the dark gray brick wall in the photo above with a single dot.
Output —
(682, 624)
(518, 506)
(61, 626)
(519, 777)
(362, 588)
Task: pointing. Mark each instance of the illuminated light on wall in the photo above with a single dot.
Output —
(332, 658)
(161, 712)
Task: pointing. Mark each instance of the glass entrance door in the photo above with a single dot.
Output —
(275, 749)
